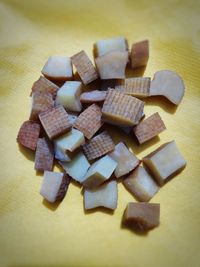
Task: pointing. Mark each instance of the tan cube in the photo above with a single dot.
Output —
(139, 54)
(44, 155)
(94, 96)
(44, 85)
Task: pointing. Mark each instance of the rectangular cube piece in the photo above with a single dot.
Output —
(89, 121)
(138, 87)
(140, 184)
(44, 155)
(93, 96)
(98, 146)
(44, 85)
(105, 196)
(145, 215)
(121, 109)
(139, 54)
(165, 161)
(55, 121)
(28, 134)
(149, 128)
(84, 67)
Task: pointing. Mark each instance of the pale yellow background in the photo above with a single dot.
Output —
(32, 234)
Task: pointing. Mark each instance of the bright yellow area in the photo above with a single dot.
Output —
(33, 234)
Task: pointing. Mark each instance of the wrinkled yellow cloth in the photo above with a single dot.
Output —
(33, 233)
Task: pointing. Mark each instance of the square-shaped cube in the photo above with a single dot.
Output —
(44, 85)
(139, 54)
(44, 155)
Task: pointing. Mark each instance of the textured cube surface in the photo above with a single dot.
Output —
(44, 85)
(93, 96)
(44, 155)
(139, 54)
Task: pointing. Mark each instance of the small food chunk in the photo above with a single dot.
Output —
(93, 96)
(112, 65)
(89, 121)
(141, 184)
(84, 67)
(126, 160)
(105, 46)
(77, 167)
(143, 215)
(105, 196)
(41, 101)
(44, 85)
(44, 155)
(54, 186)
(98, 146)
(121, 109)
(149, 128)
(28, 134)
(58, 68)
(168, 84)
(55, 121)
(165, 161)
(139, 54)
(69, 96)
(99, 171)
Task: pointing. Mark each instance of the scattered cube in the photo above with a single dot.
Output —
(44, 155)
(121, 109)
(28, 134)
(58, 68)
(54, 186)
(141, 184)
(55, 121)
(44, 85)
(105, 196)
(98, 146)
(139, 54)
(99, 171)
(149, 128)
(126, 160)
(89, 121)
(84, 67)
(93, 97)
(164, 162)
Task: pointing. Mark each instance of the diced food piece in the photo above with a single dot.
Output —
(44, 85)
(139, 54)
(100, 171)
(41, 101)
(112, 65)
(89, 121)
(143, 215)
(70, 141)
(93, 96)
(28, 134)
(126, 160)
(77, 167)
(141, 184)
(165, 161)
(69, 96)
(44, 155)
(61, 155)
(54, 186)
(168, 84)
(121, 109)
(102, 47)
(58, 68)
(98, 146)
(149, 128)
(104, 196)
(55, 121)
(84, 67)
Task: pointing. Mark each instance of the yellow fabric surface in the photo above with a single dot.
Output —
(33, 233)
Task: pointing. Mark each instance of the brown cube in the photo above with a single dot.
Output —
(84, 67)
(44, 155)
(55, 121)
(138, 87)
(139, 54)
(98, 146)
(149, 128)
(121, 109)
(93, 96)
(28, 134)
(44, 85)
(89, 121)
(63, 187)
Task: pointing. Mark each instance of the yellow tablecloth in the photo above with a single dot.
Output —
(31, 232)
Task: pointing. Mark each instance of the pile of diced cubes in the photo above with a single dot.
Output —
(67, 126)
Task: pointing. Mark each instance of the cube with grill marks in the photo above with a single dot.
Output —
(44, 85)
(121, 109)
(28, 134)
(89, 121)
(98, 146)
(55, 121)
(84, 67)
(139, 54)
(44, 155)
